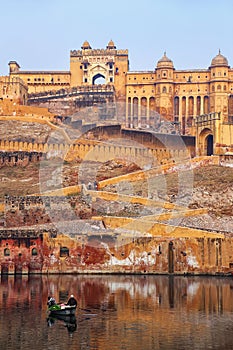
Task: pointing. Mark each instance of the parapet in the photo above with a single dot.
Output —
(97, 52)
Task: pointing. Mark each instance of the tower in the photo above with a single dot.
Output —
(164, 87)
(219, 70)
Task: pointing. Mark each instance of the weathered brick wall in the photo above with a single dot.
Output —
(21, 251)
(36, 210)
(100, 249)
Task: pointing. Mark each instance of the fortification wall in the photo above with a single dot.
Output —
(49, 252)
(99, 152)
(19, 158)
(38, 210)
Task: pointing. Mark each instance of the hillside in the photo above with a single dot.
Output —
(212, 188)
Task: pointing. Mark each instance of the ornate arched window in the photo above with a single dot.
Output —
(176, 106)
(183, 106)
(135, 106)
(206, 104)
(143, 106)
(191, 106)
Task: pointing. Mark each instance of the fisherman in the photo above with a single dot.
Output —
(51, 301)
(72, 301)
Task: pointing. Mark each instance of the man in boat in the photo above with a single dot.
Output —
(51, 301)
(72, 301)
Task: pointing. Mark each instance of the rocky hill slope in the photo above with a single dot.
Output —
(212, 188)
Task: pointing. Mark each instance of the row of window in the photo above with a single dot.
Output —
(188, 78)
(96, 59)
(165, 90)
(7, 252)
(64, 251)
(44, 84)
(42, 79)
(179, 105)
(144, 78)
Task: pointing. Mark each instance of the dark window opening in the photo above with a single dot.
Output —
(64, 252)
(6, 252)
(34, 252)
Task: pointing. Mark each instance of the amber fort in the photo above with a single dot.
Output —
(102, 118)
(199, 101)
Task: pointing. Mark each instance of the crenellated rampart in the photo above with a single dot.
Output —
(21, 158)
(91, 151)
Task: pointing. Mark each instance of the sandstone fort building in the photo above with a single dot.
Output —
(198, 102)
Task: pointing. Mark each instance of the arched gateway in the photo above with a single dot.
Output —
(206, 142)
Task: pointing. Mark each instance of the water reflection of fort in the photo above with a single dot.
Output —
(202, 293)
(167, 302)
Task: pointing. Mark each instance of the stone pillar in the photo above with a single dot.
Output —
(201, 105)
(147, 111)
(187, 108)
(194, 106)
(180, 109)
(139, 113)
(131, 113)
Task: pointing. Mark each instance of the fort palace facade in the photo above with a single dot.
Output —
(199, 102)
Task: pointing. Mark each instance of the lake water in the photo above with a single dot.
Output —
(118, 312)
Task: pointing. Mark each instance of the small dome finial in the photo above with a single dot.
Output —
(86, 45)
(219, 51)
(111, 45)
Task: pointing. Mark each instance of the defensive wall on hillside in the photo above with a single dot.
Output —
(144, 146)
(19, 158)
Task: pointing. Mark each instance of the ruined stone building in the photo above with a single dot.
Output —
(13, 88)
(198, 101)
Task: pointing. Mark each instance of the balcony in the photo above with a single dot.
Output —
(207, 119)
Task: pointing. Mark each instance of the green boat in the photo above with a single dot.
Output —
(61, 309)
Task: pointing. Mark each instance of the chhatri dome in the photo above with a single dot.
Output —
(111, 45)
(165, 62)
(219, 60)
(86, 45)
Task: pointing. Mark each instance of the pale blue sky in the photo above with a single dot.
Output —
(39, 34)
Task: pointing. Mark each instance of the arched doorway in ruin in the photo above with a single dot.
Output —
(206, 142)
(209, 145)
